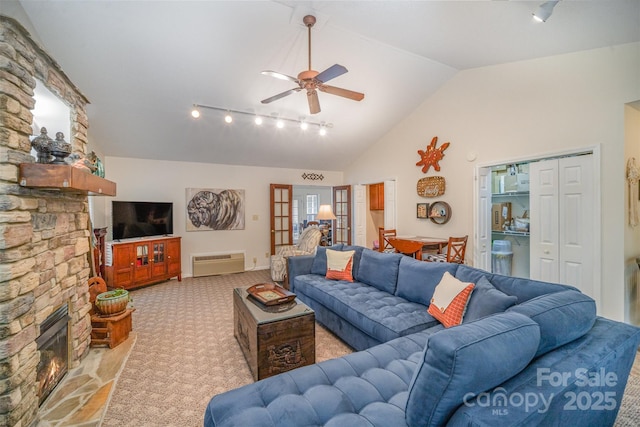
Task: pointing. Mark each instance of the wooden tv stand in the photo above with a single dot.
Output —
(132, 263)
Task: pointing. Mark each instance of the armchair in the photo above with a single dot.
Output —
(307, 244)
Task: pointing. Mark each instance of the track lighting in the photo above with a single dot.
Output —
(280, 122)
(544, 11)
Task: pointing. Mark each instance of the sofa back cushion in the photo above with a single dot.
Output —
(319, 265)
(417, 280)
(524, 289)
(467, 360)
(562, 317)
(379, 269)
(486, 300)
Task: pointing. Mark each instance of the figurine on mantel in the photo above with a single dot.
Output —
(41, 144)
(80, 161)
(59, 149)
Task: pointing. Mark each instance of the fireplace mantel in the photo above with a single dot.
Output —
(65, 178)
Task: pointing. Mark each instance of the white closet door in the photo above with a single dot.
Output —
(483, 236)
(359, 214)
(389, 205)
(562, 221)
(576, 203)
(544, 220)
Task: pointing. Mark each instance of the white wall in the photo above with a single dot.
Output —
(152, 180)
(518, 110)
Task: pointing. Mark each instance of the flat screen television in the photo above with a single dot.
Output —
(141, 219)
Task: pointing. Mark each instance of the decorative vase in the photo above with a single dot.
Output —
(112, 302)
(59, 149)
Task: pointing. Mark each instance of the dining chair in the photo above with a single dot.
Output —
(407, 247)
(456, 248)
(383, 240)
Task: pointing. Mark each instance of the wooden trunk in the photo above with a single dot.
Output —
(276, 342)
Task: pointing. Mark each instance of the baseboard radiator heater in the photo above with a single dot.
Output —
(210, 265)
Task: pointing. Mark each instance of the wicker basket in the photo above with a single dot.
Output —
(111, 303)
(432, 186)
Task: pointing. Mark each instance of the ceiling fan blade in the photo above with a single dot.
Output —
(314, 103)
(331, 73)
(280, 76)
(280, 95)
(356, 96)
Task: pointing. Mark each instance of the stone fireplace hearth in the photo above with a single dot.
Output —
(44, 233)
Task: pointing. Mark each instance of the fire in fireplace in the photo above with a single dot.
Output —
(53, 345)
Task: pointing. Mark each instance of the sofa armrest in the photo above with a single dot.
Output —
(297, 266)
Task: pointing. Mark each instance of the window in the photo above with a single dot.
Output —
(312, 206)
(295, 215)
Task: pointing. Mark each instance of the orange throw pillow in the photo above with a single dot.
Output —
(447, 308)
(339, 265)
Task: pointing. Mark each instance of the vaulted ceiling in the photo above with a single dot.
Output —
(143, 64)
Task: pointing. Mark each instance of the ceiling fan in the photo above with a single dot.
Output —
(312, 80)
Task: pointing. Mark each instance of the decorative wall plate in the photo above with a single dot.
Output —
(431, 186)
(439, 212)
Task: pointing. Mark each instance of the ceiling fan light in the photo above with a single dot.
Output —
(258, 120)
(279, 124)
(195, 113)
(228, 118)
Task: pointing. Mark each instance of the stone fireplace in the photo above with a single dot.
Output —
(44, 233)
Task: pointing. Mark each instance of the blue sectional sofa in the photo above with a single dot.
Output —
(527, 353)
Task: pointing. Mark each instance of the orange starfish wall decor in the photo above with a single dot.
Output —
(432, 155)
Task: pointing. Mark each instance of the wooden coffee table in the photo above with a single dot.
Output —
(273, 339)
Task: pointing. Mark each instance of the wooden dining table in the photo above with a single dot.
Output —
(408, 244)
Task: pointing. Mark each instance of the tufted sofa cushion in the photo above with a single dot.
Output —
(468, 359)
(374, 312)
(361, 389)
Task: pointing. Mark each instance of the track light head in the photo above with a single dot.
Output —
(545, 10)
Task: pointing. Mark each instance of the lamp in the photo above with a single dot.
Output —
(325, 213)
(545, 10)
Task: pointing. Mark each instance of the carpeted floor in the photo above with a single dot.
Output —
(185, 354)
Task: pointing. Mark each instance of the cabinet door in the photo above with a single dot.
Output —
(159, 265)
(123, 264)
(376, 197)
(173, 258)
(142, 269)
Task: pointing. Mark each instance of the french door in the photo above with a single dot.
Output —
(281, 230)
(342, 210)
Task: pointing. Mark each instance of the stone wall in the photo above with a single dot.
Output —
(44, 234)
